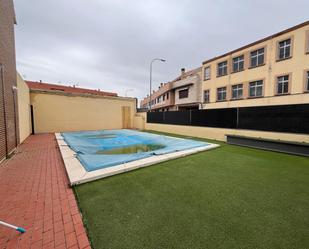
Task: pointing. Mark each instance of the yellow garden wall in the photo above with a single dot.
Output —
(220, 133)
(57, 112)
(24, 119)
(139, 121)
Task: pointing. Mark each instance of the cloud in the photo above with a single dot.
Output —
(109, 44)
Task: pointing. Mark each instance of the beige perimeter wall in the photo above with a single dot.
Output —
(217, 133)
(140, 121)
(56, 112)
(24, 119)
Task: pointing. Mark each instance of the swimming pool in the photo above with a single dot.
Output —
(107, 148)
(91, 155)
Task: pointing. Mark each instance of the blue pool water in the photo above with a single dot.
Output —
(107, 148)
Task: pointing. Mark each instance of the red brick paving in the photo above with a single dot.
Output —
(34, 194)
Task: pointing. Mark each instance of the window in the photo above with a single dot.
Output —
(207, 73)
(237, 91)
(206, 96)
(167, 95)
(222, 68)
(256, 88)
(283, 84)
(284, 49)
(163, 97)
(307, 81)
(221, 94)
(184, 93)
(257, 57)
(238, 63)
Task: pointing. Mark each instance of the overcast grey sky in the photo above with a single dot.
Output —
(108, 44)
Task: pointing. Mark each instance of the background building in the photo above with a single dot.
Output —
(161, 100)
(188, 90)
(183, 93)
(259, 91)
(271, 71)
(9, 137)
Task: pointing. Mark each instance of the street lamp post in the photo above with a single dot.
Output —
(150, 80)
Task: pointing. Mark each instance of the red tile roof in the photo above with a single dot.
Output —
(67, 89)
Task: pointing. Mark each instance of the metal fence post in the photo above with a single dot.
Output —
(237, 118)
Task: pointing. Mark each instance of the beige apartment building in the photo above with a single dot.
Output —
(183, 93)
(271, 71)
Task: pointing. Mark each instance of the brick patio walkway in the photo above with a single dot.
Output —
(34, 193)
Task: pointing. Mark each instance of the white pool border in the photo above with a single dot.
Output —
(78, 175)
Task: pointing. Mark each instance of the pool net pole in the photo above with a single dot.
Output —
(19, 229)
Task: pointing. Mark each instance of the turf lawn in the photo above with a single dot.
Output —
(231, 197)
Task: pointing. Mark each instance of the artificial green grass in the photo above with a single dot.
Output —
(230, 197)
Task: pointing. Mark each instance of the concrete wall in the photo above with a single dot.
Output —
(139, 121)
(24, 118)
(56, 112)
(220, 133)
(295, 66)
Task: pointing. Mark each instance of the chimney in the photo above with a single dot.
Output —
(183, 70)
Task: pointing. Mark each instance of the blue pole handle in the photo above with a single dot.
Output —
(21, 230)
